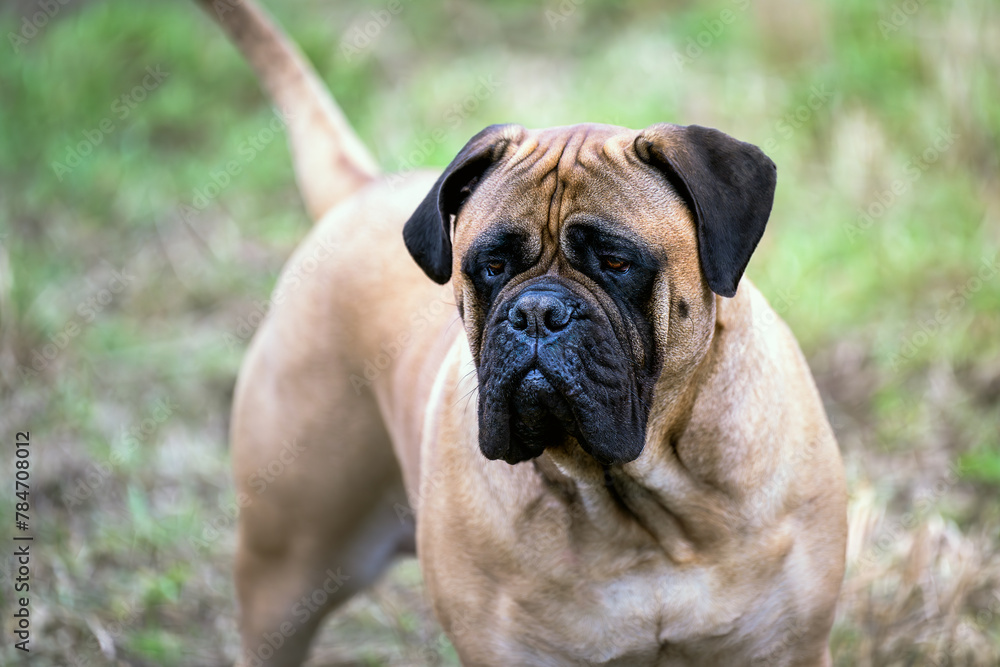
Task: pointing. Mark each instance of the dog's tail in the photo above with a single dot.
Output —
(330, 161)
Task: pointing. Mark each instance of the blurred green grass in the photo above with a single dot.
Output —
(135, 567)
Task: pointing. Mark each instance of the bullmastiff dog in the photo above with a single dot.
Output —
(544, 371)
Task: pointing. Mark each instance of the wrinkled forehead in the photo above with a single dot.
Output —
(558, 177)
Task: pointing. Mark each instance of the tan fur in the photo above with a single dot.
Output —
(723, 543)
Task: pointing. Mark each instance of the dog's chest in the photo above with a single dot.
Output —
(519, 575)
(560, 592)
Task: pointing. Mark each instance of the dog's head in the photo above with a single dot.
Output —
(585, 260)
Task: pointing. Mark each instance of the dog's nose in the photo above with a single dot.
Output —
(539, 313)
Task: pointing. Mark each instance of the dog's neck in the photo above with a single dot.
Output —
(682, 492)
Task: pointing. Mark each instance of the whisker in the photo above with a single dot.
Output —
(467, 395)
(638, 398)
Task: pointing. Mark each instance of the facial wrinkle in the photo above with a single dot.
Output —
(568, 160)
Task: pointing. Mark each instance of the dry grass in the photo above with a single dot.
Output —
(136, 569)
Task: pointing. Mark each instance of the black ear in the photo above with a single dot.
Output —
(727, 184)
(427, 233)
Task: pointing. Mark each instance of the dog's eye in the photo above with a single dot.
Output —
(616, 264)
(495, 267)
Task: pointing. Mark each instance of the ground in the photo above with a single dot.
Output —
(145, 213)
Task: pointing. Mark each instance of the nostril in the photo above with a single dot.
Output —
(517, 317)
(557, 317)
(539, 314)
